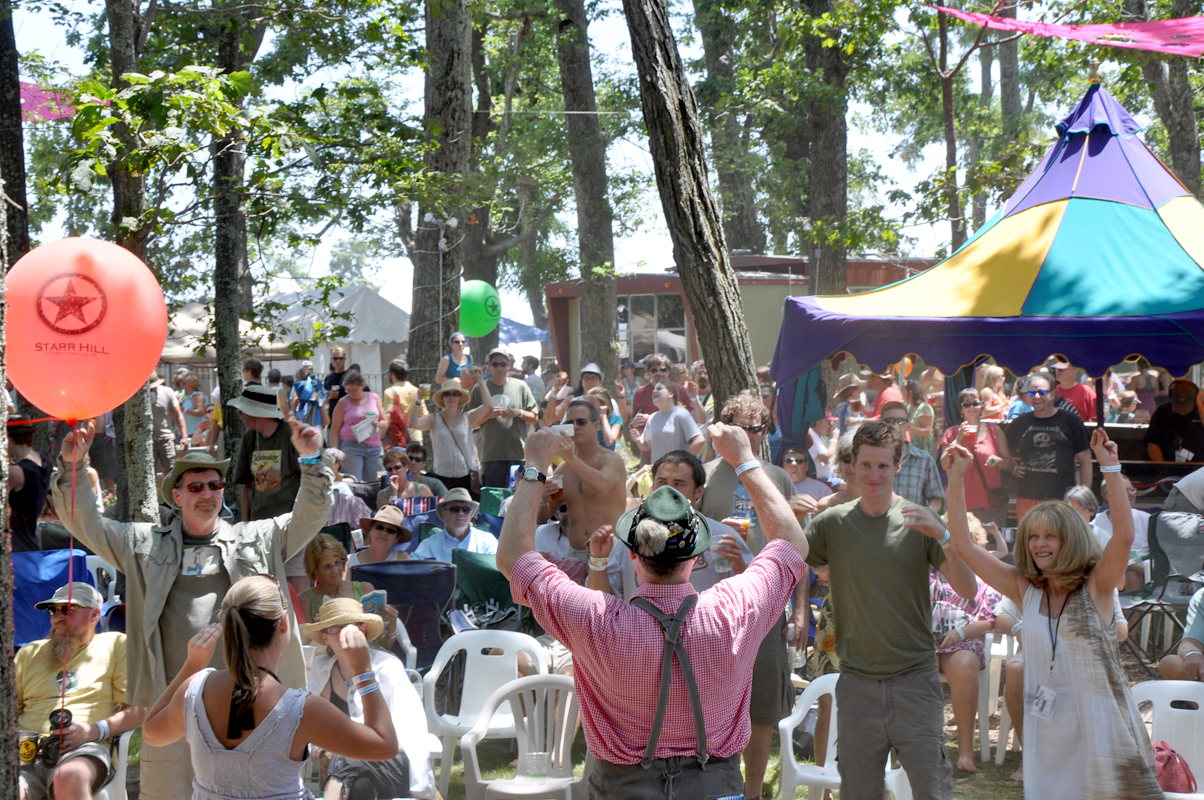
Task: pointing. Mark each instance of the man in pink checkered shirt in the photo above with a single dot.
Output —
(664, 682)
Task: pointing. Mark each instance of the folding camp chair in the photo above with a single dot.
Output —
(480, 585)
(421, 591)
(37, 575)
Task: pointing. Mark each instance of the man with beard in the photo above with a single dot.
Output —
(93, 689)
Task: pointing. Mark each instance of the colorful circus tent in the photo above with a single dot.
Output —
(1098, 256)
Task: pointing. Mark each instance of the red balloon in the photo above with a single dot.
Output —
(86, 325)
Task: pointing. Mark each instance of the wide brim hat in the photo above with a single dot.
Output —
(390, 515)
(689, 531)
(258, 401)
(592, 367)
(345, 611)
(457, 495)
(452, 385)
(187, 462)
(847, 382)
(82, 594)
(192, 379)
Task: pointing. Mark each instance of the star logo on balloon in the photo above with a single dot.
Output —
(71, 303)
(493, 307)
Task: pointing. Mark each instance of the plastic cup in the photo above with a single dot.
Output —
(537, 766)
(722, 564)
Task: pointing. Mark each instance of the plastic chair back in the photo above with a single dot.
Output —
(484, 672)
(104, 576)
(1181, 728)
(37, 575)
(421, 591)
(794, 773)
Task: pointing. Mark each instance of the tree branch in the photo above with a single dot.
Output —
(514, 241)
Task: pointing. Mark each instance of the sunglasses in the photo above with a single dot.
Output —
(498, 364)
(451, 394)
(389, 529)
(581, 422)
(64, 609)
(971, 405)
(196, 487)
(336, 629)
(459, 509)
(656, 370)
(752, 428)
(396, 468)
(336, 566)
(417, 459)
(793, 460)
(895, 420)
(1037, 392)
(338, 358)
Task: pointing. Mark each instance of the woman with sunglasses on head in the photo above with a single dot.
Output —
(227, 716)
(451, 364)
(326, 566)
(991, 454)
(670, 428)
(455, 451)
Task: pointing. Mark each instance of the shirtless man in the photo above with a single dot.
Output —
(594, 477)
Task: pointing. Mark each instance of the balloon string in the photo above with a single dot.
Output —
(12, 423)
(70, 587)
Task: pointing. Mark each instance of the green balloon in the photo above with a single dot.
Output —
(480, 308)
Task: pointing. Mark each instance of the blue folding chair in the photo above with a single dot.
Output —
(421, 591)
(37, 576)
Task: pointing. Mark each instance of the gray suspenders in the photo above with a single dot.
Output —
(671, 627)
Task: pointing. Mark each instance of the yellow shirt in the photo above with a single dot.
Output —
(407, 395)
(96, 682)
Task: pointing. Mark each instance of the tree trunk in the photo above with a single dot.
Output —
(829, 191)
(480, 261)
(132, 421)
(677, 144)
(957, 224)
(1172, 92)
(587, 155)
(985, 95)
(448, 112)
(729, 150)
(12, 144)
(1009, 80)
(9, 764)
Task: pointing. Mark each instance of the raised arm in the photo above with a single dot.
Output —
(518, 529)
(315, 498)
(608, 480)
(774, 514)
(164, 723)
(1004, 578)
(1107, 573)
(441, 375)
(107, 538)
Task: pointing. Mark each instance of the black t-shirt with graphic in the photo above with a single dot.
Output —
(1047, 447)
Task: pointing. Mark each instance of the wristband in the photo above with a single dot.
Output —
(368, 689)
(960, 630)
(315, 458)
(597, 568)
(599, 561)
(1016, 628)
(367, 676)
(746, 466)
(945, 540)
(102, 730)
(1111, 468)
(1191, 653)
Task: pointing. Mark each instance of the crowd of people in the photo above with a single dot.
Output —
(634, 510)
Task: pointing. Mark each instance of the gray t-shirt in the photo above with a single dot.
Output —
(669, 431)
(195, 600)
(503, 439)
(880, 592)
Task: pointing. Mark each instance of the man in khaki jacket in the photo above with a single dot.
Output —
(178, 574)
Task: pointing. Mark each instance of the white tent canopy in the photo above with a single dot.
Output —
(378, 331)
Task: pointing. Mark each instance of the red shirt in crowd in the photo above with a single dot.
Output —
(617, 651)
(1082, 397)
(888, 395)
(641, 402)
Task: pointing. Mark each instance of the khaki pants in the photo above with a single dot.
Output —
(166, 772)
(906, 712)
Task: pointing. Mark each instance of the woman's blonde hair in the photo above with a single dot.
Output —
(978, 534)
(1080, 548)
(991, 375)
(319, 547)
(251, 614)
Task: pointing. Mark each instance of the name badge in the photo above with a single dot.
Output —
(1043, 702)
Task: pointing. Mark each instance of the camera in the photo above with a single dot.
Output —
(53, 744)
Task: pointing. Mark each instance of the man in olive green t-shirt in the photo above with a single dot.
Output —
(878, 551)
(504, 429)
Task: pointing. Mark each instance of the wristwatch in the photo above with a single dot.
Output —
(532, 474)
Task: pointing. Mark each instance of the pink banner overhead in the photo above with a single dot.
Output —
(40, 103)
(1184, 37)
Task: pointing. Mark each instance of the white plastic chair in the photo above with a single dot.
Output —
(116, 788)
(545, 712)
(106, 588)
(816, 778)
(1000, 653)
(403, 639)
(484, 673)
(1181, 728)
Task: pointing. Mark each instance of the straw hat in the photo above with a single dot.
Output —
(452, 385)
(344, 611)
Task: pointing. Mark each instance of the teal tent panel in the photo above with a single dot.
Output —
(1112, 259)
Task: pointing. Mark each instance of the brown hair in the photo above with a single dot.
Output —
(876, 433)
(656, 360)
(251, 613)
(319, 547)
(599, 394)
(1080, 549)
(671, 388)
(581, 402)
(396, 455)
(746, 403)
(968, 394)
(354, 378)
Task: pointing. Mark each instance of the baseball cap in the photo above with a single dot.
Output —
(82, 594)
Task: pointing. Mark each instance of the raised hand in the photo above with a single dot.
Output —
(74, 451)
(307, 440)
(201, 647)
(956, 459)
(1105, 449)
(923, 519)
(601, 541)
(731, 443)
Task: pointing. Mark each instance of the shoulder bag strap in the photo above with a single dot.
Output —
(452, 433)
(671, 628)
